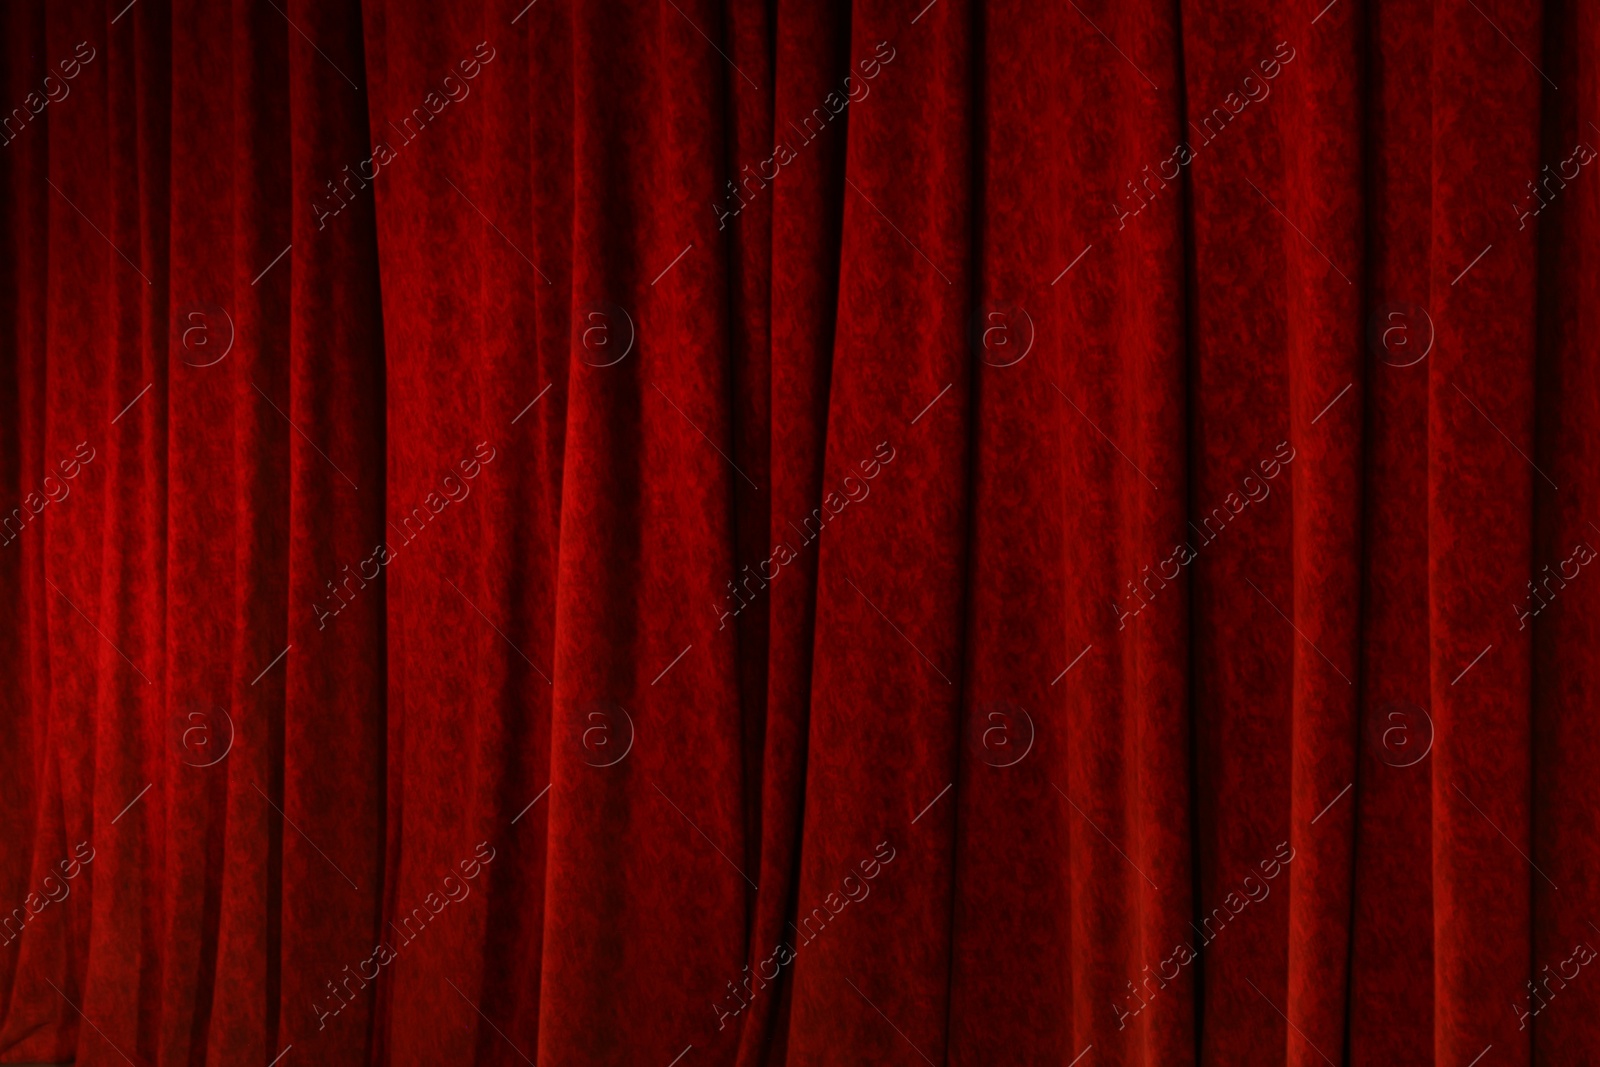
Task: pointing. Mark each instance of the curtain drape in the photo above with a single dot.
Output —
(757, 533)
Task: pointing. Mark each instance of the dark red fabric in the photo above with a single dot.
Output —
(720, 532)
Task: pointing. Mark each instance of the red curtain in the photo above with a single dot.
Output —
(723, 532)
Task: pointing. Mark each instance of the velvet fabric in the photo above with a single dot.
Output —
(770, 533)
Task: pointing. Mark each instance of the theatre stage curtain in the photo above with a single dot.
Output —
(711, 532)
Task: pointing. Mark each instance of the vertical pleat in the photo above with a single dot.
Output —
(465, 467)
(1391, 948)
(792, 183)
(1561, 1008)
(330, 799)
(1481, 493)
(122, 985)
(41, 1023)
(434, 584)
(236, 1018)
(202, 614)
(646, 540)
(748, 250)
(887, 677)
(530, 365)
(1243, 494)
(1320, 123)
(1013, 742)
(24, 299)
(242, 1022)
(1121, 784)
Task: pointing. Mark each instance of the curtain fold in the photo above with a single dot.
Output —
(762, 533)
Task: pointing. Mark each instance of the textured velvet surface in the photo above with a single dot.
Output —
(768, 533)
